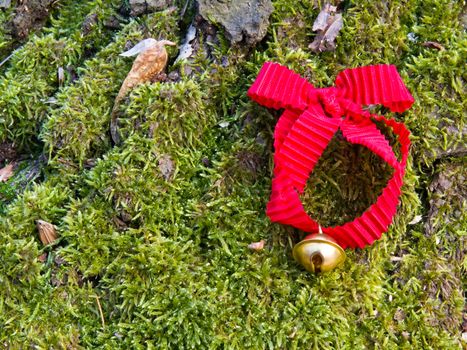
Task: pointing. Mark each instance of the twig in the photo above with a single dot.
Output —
(100, 310)
(184, 8)
(6, 59)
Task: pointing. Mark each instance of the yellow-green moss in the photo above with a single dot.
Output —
(157, 229)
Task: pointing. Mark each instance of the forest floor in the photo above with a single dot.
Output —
(153, 234)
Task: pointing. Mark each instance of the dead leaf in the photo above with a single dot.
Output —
(7, 172)
(257, 245)
(166, 166)
(321, 22)
(433, 45)
(328, 25)
(47, 232)
(151, 60)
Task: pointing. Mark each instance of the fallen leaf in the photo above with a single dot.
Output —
(257, 245)
(151, 60)
(6, 172)
(47, 232)
(321, 22)
(328, 25)
(433, 45)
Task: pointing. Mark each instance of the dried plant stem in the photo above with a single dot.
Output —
(100, 310)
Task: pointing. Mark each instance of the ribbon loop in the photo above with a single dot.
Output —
(311, 118)
(279, 87)
(379, 84)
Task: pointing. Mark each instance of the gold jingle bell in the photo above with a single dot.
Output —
(319, 253)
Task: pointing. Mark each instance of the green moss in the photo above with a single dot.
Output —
(77, 130)
(32, 79)
(157, 228)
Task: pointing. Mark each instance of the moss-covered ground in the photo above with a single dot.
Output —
(153, 233)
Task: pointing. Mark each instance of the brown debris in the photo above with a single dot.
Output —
(112, 23)
(7, 151)
(257, 246)
(399, 315)
(42, 258)
(30, 15)
(166, 166)
(89, 22)
(328, 25)
(7, 172)
(47, 232)
(433, 45)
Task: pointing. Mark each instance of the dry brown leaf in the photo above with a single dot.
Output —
(321, 22)
(433, 45)
(47, 232)
(257, 245)
(328, 25)
(6, 172)
(151, 60)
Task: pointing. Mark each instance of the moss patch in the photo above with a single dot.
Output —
(154, 232)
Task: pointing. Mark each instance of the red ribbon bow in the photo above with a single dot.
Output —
(311, 118)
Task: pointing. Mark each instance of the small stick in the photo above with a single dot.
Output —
(100, 310)
(6, 59)
(184, 8)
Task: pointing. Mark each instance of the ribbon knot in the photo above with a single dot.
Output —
(310, 119)
(330, 101)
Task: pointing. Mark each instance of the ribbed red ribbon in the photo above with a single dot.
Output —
(311, 118)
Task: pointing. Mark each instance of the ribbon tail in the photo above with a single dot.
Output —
(279, 87)
(379, 84)
(365, 133)
(285, 206)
